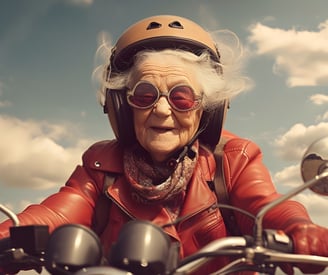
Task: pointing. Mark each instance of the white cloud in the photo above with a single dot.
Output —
(81, 2)
(319, 99)
(289, 176)
(301, 54)
(292, 144)
(33, 155)
(323, 117)
(5, 103)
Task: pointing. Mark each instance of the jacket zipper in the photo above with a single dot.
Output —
(186, 217)
(124, 210)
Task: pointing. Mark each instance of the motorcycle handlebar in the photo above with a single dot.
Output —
(277, 249)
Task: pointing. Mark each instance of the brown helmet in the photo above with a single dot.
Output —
(159, 32)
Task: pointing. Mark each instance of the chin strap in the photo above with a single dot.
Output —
(187, 150)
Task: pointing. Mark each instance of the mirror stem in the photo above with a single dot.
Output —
(9, 214)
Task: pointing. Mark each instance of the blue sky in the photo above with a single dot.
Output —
(48, 109)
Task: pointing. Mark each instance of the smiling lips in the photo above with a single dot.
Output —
(161, 129)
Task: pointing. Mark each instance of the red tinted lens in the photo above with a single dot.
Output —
(183, 98)
(145, 94)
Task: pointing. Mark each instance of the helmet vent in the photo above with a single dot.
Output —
(154, 25)
(176, 25)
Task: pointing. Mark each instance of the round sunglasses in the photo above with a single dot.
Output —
(181, 98)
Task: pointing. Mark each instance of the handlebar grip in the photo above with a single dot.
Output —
(277, 240)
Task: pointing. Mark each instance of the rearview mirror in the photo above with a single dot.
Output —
(314, 163)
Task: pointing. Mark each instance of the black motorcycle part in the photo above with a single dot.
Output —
(143, 248)
(72, 247)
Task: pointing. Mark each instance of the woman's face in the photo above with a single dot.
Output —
(160, 129)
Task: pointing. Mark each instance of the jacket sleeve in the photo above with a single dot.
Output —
(250, 188)
(74, 203)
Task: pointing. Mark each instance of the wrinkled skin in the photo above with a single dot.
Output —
(162, 130)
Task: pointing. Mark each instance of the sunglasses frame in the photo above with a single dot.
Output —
(197, 98)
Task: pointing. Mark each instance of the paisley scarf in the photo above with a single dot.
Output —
(157, 182)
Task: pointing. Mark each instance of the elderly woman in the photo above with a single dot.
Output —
(166, 94)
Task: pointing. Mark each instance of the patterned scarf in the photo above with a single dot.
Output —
(157, 183)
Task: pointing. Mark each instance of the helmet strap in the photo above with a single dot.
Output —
(187, 150)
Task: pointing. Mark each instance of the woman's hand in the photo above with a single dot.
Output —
(310, 239)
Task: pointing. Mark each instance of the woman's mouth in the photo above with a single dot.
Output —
(161, 129)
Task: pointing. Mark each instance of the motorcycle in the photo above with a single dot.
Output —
(144, 248)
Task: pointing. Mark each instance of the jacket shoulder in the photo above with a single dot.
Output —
(242, 157)
(238, 145)
(105, 156)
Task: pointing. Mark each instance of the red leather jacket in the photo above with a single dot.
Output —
(248, 183)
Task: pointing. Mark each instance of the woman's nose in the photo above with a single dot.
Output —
(162, 107)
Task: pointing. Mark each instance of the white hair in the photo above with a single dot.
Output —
(219, 81)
